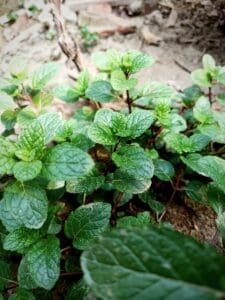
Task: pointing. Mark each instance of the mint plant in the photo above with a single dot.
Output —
(84, 201)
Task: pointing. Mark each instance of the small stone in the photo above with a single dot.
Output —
(155, 18)
(135, 7)
(55, 54)
(149, 37)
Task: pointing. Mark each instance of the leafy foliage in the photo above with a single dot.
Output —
(98, 185)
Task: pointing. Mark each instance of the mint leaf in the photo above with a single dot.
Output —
(100, 91)
(140, 220)
(202, 111)
(31, 142)
(27, 170)
(7, 152)
(201, 78)
(43, 262)
(164, 170)
(23, 206)
(141, 61)
(86, 184)
(120, 82)
(52, 124)
(65, 161)
(87, 222)
(20, 239)
(66, 93)
(134, 263)
(8, 119)
(24, 277)
(139, 121)
(25, 116)
(43, 74)
(209, 63)
(82, 82)
(135, 169)
(101, 134)
(158, 92)
(79, 290)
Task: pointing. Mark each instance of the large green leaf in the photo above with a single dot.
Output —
(201, 78)
(152, 263)
(31, 142)
(44, 74)
(86, 184)
(139, 121)
(27, 170)
(135, 169)
(164, 170)
(23, 205)
(87, 222)
(44, 262)
(202, 111)
(101, 134)
(20, 239)
(6, 101)
(52, 124)
(65, 161)
(100, 91)
(66, 93)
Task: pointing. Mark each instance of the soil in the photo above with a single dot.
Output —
(177, 33)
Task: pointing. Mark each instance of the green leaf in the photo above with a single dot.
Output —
(135, 169)
(43, 261)
(23, 275)
(191, 94)
(8, 118)
(6, 102)
(158, 92)
(107, 61)
(164, 170)
(202, 111)
(209, 63)
(100, 91)
(201, 78)
(23, 206)
(52, 124)
(65, 161)
(139, 121)
(220, 76)
(140, 220)
(101, 134)
(149, 198)
(66, 93)
(192, 161)
(25, 116)
(86, 223)
(22, 294)
(82, 82)
(120, 82)
(27, 170)
(86, 184)
(78, 291)
(214, 168)
(21, 239)
(141, 61)
(4, 274)
(7, 152)
(31, 142)
(135, 263)
(44, 74)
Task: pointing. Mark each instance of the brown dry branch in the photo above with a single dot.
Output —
(68, 45)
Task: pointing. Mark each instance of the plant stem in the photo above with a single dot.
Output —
(117, 202)
(129, 102)
(210, 94)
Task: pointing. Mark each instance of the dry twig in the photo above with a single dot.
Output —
(68, 45)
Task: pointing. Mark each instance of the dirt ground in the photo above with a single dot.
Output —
(177, 33)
